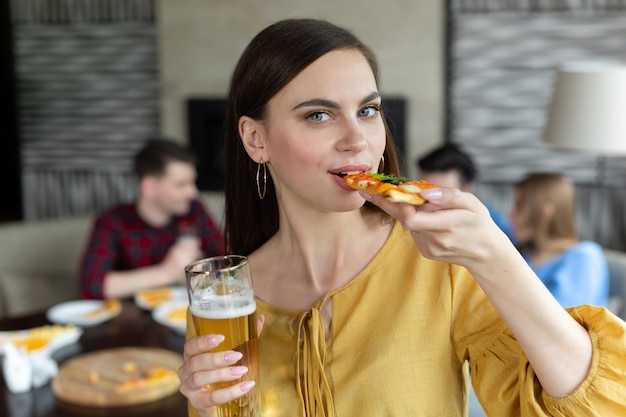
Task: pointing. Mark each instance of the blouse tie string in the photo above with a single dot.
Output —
(313, 386)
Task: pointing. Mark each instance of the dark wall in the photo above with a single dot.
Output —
(205, 129)
(11, 197)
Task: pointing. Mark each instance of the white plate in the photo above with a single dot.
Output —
(65, 338)
(75, 312)
(162, 312)
(177, 293)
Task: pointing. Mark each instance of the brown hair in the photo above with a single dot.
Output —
(539, 189)
(273, 58)
(153, 158)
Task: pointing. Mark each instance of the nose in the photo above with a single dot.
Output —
(352, 138)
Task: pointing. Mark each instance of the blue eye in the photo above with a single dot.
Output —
(318, 116)
(369, 111)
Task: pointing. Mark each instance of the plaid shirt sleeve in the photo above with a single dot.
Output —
(100, 257)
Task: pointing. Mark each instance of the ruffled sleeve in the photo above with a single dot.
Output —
(506, 384)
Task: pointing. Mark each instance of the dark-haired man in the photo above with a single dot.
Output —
(449, 166)
(146, 244)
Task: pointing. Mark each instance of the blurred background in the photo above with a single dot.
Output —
(85, 82)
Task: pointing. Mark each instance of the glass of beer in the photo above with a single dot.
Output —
(221, 301)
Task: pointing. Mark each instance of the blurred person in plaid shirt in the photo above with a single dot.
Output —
(147, 243)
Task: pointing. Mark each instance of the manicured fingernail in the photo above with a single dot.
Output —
(246, 386)
(215, 339)
(432, 194)
(232, 356)
(238, 370)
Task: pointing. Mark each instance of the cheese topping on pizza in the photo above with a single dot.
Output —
(395, 189)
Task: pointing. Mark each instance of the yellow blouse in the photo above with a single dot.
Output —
(399, 336)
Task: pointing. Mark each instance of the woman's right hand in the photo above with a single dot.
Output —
(201, 367)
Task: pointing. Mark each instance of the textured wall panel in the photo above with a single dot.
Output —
(503, 57)
(88, 95)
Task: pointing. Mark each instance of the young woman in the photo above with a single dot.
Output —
(544, 224)
(373, 309)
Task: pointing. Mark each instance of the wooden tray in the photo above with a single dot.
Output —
(90, 379)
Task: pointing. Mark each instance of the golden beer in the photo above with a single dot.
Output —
(221, 302)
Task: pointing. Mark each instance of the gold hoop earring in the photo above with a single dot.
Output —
(381, 167)
(258, 185)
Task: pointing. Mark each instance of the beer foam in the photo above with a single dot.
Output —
(223, 307)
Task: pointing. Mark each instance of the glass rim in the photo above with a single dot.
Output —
(243, 261)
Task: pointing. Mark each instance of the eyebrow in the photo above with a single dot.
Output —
(321, 102)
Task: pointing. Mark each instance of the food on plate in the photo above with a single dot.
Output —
(155, 296)
(130, 367)
(110, 307)
(155, 375)
(177, 315)
(37, 337)
(395, 189)
(94, 377)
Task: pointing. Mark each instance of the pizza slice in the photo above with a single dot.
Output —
(395, 189)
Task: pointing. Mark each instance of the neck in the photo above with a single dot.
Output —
(325, 247)
(554, 245)
(152, 214)
(546, 249)
(314, 253)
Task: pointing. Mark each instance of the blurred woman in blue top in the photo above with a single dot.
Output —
(544, 224)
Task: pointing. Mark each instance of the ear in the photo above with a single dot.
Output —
(254, 137)
(148, 186)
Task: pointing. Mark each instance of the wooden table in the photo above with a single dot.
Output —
(133, 327)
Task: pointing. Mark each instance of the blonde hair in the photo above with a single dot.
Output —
(540, 190)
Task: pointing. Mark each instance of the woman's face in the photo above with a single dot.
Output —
(325, 122)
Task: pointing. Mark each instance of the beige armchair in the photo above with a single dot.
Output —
(39, 263)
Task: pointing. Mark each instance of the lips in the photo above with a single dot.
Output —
(344, 173)
(350, 169)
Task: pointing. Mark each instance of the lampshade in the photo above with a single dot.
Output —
(588, 109)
